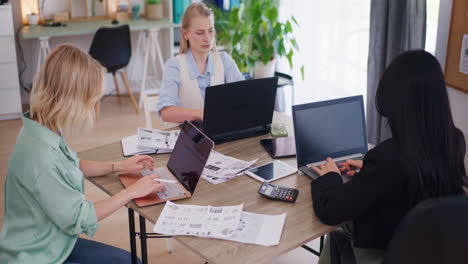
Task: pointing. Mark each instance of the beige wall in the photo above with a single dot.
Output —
(458, 99)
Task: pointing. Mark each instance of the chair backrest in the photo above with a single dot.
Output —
(111, 46)
(149, 105)
(435, 231)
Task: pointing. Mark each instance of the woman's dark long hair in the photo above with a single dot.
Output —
(413, 97)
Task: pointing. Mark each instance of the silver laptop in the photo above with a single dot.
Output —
(334, 128)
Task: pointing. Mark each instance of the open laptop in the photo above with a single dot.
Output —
(239, 109)
(185, 166)
(333, 128)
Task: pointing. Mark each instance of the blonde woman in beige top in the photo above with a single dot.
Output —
(197, 66)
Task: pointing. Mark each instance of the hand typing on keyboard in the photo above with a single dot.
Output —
(170, 190)
(145, 186)
(350, 167)
(327, 167)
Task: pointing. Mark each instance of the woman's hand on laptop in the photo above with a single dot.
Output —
(350, 167)
(327, 167)
(145, 186)
(135, 163)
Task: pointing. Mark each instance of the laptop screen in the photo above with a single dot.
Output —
(333, 128)
(239, 105)
(189, 157)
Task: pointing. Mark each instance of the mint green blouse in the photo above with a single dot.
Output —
(45, 208)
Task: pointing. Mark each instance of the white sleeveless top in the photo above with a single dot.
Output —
(189, 90)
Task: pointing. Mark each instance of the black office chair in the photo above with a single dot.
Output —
(433, 232)
(111, 46)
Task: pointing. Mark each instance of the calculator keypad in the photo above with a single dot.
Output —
(281, 193)
(286, 194)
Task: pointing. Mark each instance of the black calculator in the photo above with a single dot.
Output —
(278, 192)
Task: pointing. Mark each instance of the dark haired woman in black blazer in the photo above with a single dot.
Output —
(423, 159)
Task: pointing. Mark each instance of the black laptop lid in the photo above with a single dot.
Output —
(239, 105)
(333, 128)
(190, 154)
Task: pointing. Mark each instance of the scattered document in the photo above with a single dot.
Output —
(159, 139)
(130, 147)
(195, 220)
(228, 223)
(259, 229)
(220, 168)
(464, 55)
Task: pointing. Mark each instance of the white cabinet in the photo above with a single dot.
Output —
(10, 100)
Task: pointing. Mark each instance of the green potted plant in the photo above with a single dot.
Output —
(153, 9)
(254, 36)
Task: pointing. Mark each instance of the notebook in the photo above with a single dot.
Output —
(185, 166)
(334, 128)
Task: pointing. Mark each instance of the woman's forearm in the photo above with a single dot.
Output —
(95, 168)
(179, 115)
(108, 206)
(141, 188)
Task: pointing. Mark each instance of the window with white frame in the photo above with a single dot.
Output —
(333, 38)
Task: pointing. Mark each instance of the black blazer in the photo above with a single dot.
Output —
(376, 198)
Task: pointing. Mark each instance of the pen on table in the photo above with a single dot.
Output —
(165, 181)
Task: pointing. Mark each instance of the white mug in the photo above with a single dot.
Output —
(32, 19)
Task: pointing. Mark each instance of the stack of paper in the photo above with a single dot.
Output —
(220, 168)
(149, 141)
(228, 222)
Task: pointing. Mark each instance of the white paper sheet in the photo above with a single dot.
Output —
(464, 55)
(130, 147)
(154, 138)
(195, 220)
(220, 168)
(259, 229)
(227, 222)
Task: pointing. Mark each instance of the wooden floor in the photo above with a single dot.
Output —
(117, 121)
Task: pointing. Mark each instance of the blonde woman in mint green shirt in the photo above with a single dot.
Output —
(45, 208)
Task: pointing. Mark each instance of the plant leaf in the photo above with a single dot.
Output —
(302, 72)
(294, 43)
(288, 27)
(281, 50)
(272, 14)
(294, 20)
(289, 56)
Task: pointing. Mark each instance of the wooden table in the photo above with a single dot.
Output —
(301, 226)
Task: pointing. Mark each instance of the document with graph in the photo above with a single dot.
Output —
(158, 139)
(195, 220)
(227, 222)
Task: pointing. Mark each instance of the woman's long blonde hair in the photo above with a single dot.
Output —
(195, 9)
(66, 89)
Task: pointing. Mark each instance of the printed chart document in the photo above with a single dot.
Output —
(130, 147)
(220, 168)
(228, 223)
(159, 139)
(464, 55)
(195, 220)
(259, 229)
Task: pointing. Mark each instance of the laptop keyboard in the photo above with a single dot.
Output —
(336, 162)
(172, 190)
